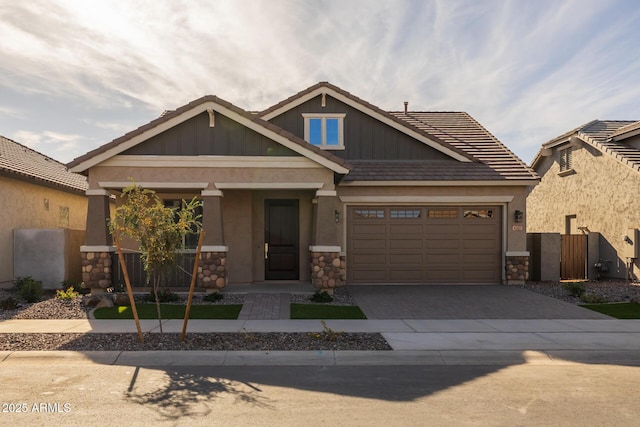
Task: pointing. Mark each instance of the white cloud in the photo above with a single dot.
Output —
(526, 70)
(62, 147)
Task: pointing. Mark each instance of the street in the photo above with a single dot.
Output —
(35, 392)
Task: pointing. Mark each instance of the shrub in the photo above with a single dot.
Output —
(575, 289)
(78, 287)
(593, 299)
(29, 289)
(66, 295)
(213, 297)
(327, 333)
(164, 295)
(321, 296)
(9, 304)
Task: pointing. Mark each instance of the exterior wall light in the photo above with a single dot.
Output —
(336, 215)
(518, 216)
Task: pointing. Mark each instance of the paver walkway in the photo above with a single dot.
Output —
(266, 306)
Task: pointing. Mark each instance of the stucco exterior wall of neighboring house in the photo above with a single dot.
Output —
(26, 205)
(599, 193)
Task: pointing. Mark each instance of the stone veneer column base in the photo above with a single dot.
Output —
(212, 271)
(517, 269)
(328, 270)
(96, 270)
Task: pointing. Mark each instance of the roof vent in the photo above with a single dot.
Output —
(406, 106)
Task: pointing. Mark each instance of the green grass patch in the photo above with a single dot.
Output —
(623, 310)
(317, 311)
(170, 311)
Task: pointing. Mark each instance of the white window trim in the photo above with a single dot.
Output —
(323, 116)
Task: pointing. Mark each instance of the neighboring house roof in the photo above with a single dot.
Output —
(605, 135)
(170, 118)
(463, 132)
(19, 161)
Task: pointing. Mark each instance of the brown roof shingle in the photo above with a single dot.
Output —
(27, 164)
(463, 132)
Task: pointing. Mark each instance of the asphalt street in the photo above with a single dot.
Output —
(36, 392)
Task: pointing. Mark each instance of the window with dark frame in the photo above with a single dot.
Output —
(190, 240)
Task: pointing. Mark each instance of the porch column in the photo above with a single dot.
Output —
(96, 253)
(212, 270)
(328, 265)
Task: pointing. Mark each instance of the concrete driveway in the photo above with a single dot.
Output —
(462, 302)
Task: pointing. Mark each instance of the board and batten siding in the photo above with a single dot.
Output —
(194, 137)
(365, 138)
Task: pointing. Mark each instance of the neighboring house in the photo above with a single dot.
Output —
(36, 192)
(590, 177)
(325, 188)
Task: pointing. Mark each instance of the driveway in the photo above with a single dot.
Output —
(462, 302)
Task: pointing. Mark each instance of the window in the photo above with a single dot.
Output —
(565, 159)
(369, 213)
(480, 213)
(190, 241)
(404, 213)
(442, 213)
(324, 130)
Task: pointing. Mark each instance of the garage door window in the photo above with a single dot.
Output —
(405, 213)
(479, 213)
(369, 213)
(442, 213)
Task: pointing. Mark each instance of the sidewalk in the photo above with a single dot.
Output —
(414, 341)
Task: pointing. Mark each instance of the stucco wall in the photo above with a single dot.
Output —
(25, 205)
(602, 194)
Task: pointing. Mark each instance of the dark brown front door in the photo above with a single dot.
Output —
(281, 240)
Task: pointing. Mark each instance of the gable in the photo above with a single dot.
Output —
(365, 137)
(195, 137)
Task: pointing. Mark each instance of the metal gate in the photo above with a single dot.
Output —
(573, 256)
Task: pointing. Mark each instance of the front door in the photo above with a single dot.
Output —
(281, 237)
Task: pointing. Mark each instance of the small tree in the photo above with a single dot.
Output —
(158, 229)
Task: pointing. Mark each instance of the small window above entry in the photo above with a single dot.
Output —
(324, 130)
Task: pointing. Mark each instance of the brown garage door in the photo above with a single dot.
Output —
(424, 245)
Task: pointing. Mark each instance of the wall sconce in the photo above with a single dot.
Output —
(518, 216)
(336, 215)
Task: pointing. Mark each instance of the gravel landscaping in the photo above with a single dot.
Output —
(51, 308)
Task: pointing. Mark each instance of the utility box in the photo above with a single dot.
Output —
(631, 243)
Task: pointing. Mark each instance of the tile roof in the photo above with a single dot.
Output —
(420, 170)
(607, 136)
(463, 132)
(600, 133)
(25, 163)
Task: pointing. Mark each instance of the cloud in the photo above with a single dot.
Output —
(62, 147)
(526, 70)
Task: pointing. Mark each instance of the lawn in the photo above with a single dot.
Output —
(170, 311)
(319, 311)
(624, 310)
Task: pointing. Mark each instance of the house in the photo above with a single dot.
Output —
(589, 179)
(324, 188)
(37, 192)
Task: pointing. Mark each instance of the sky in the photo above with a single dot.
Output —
(76, 74)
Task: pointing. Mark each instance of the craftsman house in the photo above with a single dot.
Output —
(587, 193)
(324, 188)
